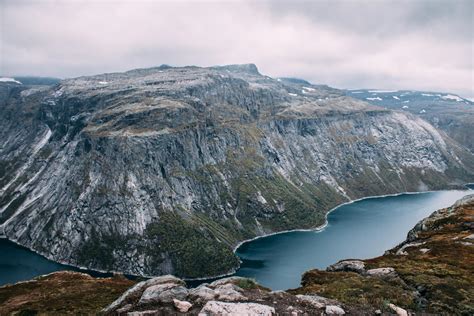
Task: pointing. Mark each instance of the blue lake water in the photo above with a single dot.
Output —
(362, 229)
(19, 264)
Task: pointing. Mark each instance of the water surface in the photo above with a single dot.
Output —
(18, 263)
(362, 229)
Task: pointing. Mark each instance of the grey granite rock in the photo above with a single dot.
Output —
(348, 266)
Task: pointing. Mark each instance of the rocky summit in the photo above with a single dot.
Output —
(165, 170)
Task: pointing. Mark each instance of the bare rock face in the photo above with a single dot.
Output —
(202, 293)
(214, 308)
(97, 171)
(382, 272)
(182, 306)
(334, 310)
(163, 293)
(135, 292)
(222, 297)
(348, 266)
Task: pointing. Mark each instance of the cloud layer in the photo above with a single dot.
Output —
(424, 45)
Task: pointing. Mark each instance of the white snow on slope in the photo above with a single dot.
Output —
(372, 99)
(395, 97)
(293, 94)
(5, 79)
(309, 89)
(451, 97)
(382, 91)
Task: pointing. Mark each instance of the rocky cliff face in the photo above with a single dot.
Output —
(165, 170)
(448, 112)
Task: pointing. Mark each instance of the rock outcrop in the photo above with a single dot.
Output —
(228, 296)
(164, 170)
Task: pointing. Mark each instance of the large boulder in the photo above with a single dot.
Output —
(334, 310)
(382, 272)
(202, 293)
(215, 308)
(135, 292)
(182, 306)
(164, 293)
(230, 292)
(348, 266)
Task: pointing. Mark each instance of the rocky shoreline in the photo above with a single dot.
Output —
(431, 272)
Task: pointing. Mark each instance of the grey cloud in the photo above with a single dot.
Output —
(424, 45)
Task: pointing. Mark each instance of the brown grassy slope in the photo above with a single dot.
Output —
(61, 293)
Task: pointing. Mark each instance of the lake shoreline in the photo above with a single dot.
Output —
(319, 228)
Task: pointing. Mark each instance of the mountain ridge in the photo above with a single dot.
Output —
(96, 171)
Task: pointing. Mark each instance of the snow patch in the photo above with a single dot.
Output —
(260, 198)
(422, 111)
(6, 79)
(309, 89)
(427, 95)
(383, 91)
(293, 94)
(405, 107)
(373, 99)
(452, 97)
(395, 97)
(103, 82)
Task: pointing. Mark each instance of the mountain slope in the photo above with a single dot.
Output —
(449, 112)
(165, 170)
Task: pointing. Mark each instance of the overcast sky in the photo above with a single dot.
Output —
(424, 45)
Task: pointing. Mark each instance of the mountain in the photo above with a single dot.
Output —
(165, 170)
(447, 111)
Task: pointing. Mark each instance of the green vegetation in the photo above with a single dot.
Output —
(193, 249)
(98, 251)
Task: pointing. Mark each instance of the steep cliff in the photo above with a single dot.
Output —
(165, 170)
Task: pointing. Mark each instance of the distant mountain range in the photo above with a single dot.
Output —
(447, 111)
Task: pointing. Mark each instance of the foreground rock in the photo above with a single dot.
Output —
(214, 308)
(228, 296)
